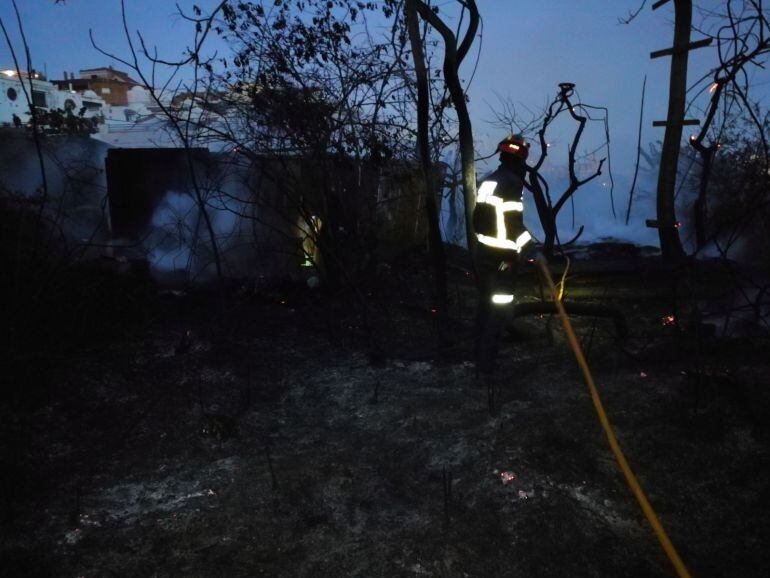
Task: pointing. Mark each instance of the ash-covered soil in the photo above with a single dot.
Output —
(279, 437)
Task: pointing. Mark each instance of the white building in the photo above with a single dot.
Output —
(44, 95)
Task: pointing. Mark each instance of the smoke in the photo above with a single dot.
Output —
(76, 204)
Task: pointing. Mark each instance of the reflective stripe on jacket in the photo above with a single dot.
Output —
(498, 219)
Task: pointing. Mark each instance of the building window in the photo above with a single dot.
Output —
(12, 95)
(38, 99)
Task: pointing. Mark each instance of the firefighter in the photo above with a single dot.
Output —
(498, 222)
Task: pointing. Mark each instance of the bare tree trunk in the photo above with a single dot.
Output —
(638, 152)
(544, 212)
(670, 244)
(699, 207)
(453, 57)
(423, 145)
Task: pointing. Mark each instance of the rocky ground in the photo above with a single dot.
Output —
(268, 440)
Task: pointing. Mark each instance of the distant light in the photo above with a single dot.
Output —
(8, 72)
(502, 299)
(693, 137)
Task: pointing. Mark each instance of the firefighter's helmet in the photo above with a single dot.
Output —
(515, 145)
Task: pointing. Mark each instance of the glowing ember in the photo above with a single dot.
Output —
(507, 477)
(669, 320)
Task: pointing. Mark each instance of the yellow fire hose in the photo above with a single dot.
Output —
(633, 483)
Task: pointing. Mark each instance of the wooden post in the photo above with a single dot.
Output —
(670, 244)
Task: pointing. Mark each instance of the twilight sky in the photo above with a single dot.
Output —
(527, 49)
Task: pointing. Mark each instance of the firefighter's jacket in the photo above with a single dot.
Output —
(498, 219)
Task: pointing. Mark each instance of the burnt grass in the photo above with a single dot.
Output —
(278, 436)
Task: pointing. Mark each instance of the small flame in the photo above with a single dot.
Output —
(507, 477)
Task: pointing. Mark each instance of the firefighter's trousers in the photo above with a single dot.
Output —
(496, 277)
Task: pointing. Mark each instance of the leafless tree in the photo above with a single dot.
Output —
(455, 51)
(422, 78)
(741, 34)
(548, 210)
(317, 96)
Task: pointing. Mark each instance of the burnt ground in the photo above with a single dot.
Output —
(267, 440)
